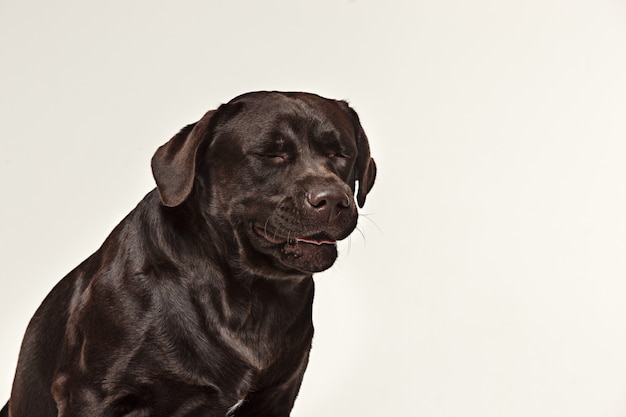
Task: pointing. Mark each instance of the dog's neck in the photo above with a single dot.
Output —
(252, 313)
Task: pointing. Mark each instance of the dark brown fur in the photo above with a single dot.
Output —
(199, 302)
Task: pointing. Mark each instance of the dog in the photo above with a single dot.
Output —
(199, 303)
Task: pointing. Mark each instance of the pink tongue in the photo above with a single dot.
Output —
(315, 242)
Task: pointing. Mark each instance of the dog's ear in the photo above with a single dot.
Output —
(365, 165)
(174, 164)
(366, 168)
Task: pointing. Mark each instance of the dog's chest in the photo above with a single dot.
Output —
(267, 325)
(260, 342)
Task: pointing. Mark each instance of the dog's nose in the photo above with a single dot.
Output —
(327, 202)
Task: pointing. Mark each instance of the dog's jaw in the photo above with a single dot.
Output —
(309, 257)
(296, 254)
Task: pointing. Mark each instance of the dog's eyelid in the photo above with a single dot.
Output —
(332, 147)
(273, 157)
(343, 154)
(337, 151)
(333, 154)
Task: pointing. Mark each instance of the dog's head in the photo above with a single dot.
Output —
(278, 171)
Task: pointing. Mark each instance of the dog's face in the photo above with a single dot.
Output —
(277, 171)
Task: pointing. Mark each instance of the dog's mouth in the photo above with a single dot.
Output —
(311, 253)
(278, 239)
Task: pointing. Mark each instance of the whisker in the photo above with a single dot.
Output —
(367, 217)
(265, 226)
(349, 245)
(361, 233)
(274, 213)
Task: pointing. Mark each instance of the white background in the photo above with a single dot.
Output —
(491, 278)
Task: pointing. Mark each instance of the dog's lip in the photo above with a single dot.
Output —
(318, 242)
(275, 238)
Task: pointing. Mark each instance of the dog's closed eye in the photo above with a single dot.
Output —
(276, 158)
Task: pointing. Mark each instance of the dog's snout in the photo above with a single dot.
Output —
(327, 202)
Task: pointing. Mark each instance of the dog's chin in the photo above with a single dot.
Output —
(295, 254)
(308, 257)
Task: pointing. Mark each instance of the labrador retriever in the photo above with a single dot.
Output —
(199, 301)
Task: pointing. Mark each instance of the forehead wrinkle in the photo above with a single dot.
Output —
(288, 126)
(294, 120)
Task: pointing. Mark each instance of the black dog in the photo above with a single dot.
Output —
(199, 302)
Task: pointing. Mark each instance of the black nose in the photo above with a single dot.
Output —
(327, 202)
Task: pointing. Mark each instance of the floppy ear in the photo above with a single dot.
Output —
(174, 164)
(365, 165)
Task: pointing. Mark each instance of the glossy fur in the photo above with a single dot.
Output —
(199, 302)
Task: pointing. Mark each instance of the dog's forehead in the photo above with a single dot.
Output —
(300, 114)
